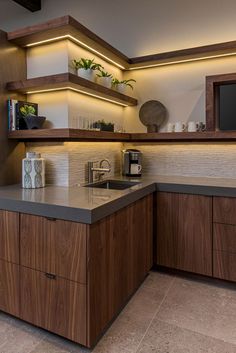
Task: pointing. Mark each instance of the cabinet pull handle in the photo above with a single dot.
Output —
(51, 219)
(50, 276)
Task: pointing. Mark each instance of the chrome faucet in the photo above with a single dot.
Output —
(100, 171)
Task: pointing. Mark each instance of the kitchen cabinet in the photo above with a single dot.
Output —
(54, 246)
(184, 232)
(224, 238)
(54, 303)
(9, 288)
(72, 278)
(9, 236)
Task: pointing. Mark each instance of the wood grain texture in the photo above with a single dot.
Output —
(184, 54)
(119, 257)
(62, 26)
(184, 232)
(70, 80)
(12, 67)
(224, 265)
(9, 236)
(69, 26)
(58, 305)
(9, 288)
(224, 237)
(54, 246)
(67, 135)
(224, 210)
(212, 97)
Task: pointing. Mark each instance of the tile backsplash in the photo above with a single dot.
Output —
(66, 163)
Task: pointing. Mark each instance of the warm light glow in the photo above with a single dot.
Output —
(78, 91)
(182, 61)
(68, 36)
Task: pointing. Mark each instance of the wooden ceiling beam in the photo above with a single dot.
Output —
(31, 5)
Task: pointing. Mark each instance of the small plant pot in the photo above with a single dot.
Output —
(34, 121)
(107, 127)
(87, 74)
(105, 81)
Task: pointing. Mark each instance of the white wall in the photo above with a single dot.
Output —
(137, 27)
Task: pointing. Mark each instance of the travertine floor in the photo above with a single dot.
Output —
(168, 314)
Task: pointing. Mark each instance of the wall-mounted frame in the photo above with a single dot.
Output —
(213, 84)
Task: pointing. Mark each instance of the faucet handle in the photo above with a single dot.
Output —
(106, 161)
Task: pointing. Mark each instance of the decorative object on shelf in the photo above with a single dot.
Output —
(170, 127)
(193, 126)
(104, 78)
(33, 171)
(153, 114)
(17, 112)
(121, 86)
(32, 120)
(86, 68)
(179, 126)
(103, 126)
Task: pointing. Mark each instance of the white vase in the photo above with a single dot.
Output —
(33, 171)
(121, 87)
(87, 74)
(105, 81)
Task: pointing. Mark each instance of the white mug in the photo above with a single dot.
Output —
(179, 126)
(193, 126)
(170, 127)
(135, 169)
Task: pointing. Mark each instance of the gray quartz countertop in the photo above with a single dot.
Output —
(88, 205)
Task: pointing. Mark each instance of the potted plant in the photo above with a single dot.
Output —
(32, 121)
(103, 126)
(122, 85)
(104, 78)
(86, 68)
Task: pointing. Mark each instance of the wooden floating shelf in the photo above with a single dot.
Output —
(70, 81)
(67, 27)
(83, 135)
(67, 134)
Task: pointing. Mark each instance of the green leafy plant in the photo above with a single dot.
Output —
(116, 82)
(27, 110)
(104, 74)
(86, 64)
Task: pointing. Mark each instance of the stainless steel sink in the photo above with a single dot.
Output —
(113, 184)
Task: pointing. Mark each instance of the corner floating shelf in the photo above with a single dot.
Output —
(70, 81)
(67, 27)
(86, 135)
(67, 135)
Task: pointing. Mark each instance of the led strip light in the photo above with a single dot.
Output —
(78, 91)
(68, 36)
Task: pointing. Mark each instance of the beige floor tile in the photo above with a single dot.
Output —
(167, 338)
(18, 337)
(202, 308)
(56, 344)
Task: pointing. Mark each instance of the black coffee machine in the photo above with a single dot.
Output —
(131, 163)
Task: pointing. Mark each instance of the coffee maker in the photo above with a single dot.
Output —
(132, 163)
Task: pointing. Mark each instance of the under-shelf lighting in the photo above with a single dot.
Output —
(182, 61)
(78, 91)
(68, 36)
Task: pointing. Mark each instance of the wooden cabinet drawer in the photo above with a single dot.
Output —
(184, 232)
(58, 305)
(9, 236)
(54, 246)
(224, 265)
(9, 288)
(224, 210)
(224, 237)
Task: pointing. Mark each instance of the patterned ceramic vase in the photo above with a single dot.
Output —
(33, 171)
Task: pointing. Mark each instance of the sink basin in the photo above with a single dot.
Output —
(113, 184)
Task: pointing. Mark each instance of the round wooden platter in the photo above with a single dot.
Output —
(152, 114)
